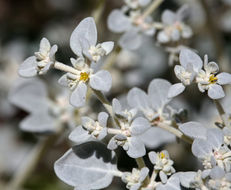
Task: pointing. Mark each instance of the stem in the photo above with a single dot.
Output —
(107, 106)
(176, 132)
(221, 112)
(65, 68)
(32, 161)
(155, 4)
(97, 13)
(153, 178)
(141, 164)
(113, 131)
(118, 173)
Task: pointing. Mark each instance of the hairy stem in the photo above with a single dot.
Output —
(65, 68)
(141, 164)
(155, 4)
(221, 112)
(176, 132)
(113, 131)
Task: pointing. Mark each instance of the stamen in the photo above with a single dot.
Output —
(84, 76)
(212, 79)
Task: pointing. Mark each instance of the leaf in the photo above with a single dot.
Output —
(101, 81)
(85, 30)
(29, 95)
(87, 166)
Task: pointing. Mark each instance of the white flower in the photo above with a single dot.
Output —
(208, 80)
(162, 163)
(212, 151)
(191, 63)
(90, 129)
(153, 106)
(132, 26)
(174, 27)
(135, 179)
(131, 129)
(41, 62)
(84, 38)
(78, 82)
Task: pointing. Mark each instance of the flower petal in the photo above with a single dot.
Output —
(78, 96)
(175, 90)
(224, 78)
(87, 30)
(188, 57)
(107, 46)
(28, 67)
(216, 92)
(101, 81)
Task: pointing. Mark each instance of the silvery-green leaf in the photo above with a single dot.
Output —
(138, 98)
(158, 93)
(44, 46)
(79, 135)
(139, 126)
(78, 96)
(107, 46)
(168, 17)
(153, 157)
(217, 173)
(188, 57)
(28, 67)
(216, 92)
(87, 30)
(173, 183)
(30, 95)
(102, 118)
(38, 123)
(143, 174)
(53, 50)
(163, 177)
(201, 148)
(136, 148)
(130, 40)
(175, 90)
(186, 178)
(117, 108)
(215, 137)
(86, 121)
(112, 145)
(118, 22)
(87, 166)
(154, 137)
(101, 81)
(193, 130)
(63, 80)
(224, 78)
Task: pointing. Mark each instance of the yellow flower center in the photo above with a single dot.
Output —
(84, 76)
(212, 79)
(162, 155)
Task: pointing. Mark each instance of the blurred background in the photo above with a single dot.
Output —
(24, 23)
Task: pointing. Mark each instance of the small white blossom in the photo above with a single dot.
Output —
(90, 129)
(174, 28)
(208, 80)
(162, 163)
(83, 41)
(135, 179)
(131, 129)
(41, 62)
